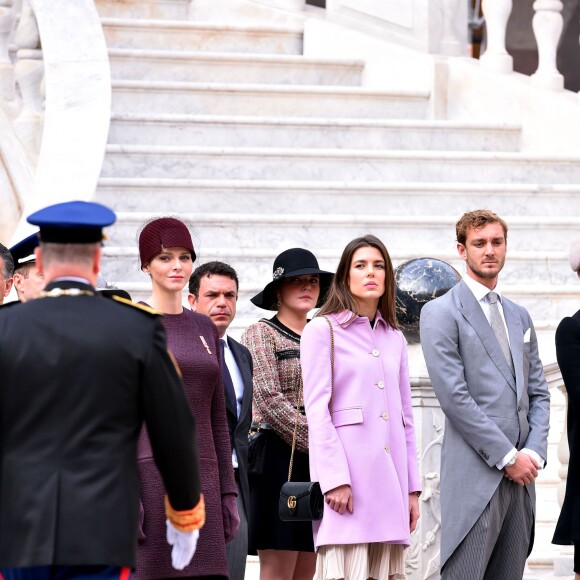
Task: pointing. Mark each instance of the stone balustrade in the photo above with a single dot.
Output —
(547, 24)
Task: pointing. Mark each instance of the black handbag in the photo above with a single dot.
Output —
(302, 501)
(257, 440)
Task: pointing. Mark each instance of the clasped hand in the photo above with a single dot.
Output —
(523, 471)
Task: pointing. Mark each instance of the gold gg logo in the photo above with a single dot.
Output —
(292, 503)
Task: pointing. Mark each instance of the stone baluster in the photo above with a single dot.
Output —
(450, 44)
(497, 13)
(547, 24)
(29, 79)
(7, 20)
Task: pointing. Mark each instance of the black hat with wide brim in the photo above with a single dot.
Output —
(290, 263)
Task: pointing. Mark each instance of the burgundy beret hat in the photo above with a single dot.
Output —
(163, 233)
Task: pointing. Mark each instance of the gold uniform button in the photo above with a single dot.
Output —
(376, 352)
(387, 449)
(381, 384)
(385, 416)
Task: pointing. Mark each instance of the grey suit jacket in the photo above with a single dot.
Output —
(488, 411)
(240, 426)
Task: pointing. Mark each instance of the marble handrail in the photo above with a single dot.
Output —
(77, 107)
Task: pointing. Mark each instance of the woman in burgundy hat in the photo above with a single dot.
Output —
(285, 549)
(167, 255)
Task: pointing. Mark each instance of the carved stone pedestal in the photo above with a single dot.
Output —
(423, 554)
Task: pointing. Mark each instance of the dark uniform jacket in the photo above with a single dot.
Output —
(240, 426)
(568, 354)
(78, 374)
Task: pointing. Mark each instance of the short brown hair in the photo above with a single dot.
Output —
(80, 254)
(340, 297)
(477, 219)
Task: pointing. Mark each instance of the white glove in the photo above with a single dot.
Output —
(184, 544)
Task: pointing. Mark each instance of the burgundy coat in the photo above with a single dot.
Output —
(198, 360)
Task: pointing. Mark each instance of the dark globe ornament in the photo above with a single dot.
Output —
(419, 281)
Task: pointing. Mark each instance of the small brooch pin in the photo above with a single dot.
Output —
(278, 273)
(204, 343)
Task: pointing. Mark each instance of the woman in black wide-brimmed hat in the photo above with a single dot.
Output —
(298, 285)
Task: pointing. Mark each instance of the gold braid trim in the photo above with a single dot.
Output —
(186, 520)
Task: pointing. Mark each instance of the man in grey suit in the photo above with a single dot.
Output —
(482, 356)
(213, 291)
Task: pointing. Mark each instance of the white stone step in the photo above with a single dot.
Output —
(230, 131)
(336, 164)
(210, 67)
(266, 100)
(409, 198)
(202, 36)
(432, 234)
(156, 9)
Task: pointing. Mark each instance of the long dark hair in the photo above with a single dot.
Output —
(340, 297)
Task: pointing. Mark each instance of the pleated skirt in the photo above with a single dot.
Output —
(379, 561)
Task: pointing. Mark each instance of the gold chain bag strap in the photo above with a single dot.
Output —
(302, 501)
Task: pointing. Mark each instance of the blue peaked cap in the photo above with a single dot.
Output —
(23, 251)
(72, 222)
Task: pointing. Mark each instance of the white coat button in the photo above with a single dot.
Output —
(375, 352)
(387, 449)
(385, 416)
(381, 384)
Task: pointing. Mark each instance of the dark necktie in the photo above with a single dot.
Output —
(498, 328)
(227, 378)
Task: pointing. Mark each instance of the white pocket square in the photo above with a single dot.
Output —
(527, 335)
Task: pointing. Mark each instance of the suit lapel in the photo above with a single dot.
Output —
(244, 366)
(516, 334)
(474, 315)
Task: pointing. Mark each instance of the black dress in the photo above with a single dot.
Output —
(568, 354)
(275, 351)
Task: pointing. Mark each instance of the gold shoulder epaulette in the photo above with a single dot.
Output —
(142, 307)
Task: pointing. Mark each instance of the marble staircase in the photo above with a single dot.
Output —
(262, 148)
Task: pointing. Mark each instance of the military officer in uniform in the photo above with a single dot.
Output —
(28, 280)
(80, 374)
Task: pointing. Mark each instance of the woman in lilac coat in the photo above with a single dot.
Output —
(362, 441)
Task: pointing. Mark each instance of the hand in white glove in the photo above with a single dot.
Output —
(184, 544)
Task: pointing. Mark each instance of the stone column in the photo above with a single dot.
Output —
(547, 24)
(422, 561)
(497, 13)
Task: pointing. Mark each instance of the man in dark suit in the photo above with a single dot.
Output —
(213, 291)
(6, 272)
(80, 373)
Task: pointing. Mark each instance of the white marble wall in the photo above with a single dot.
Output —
(78, 103)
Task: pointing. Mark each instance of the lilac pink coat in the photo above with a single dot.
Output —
(368, 441)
